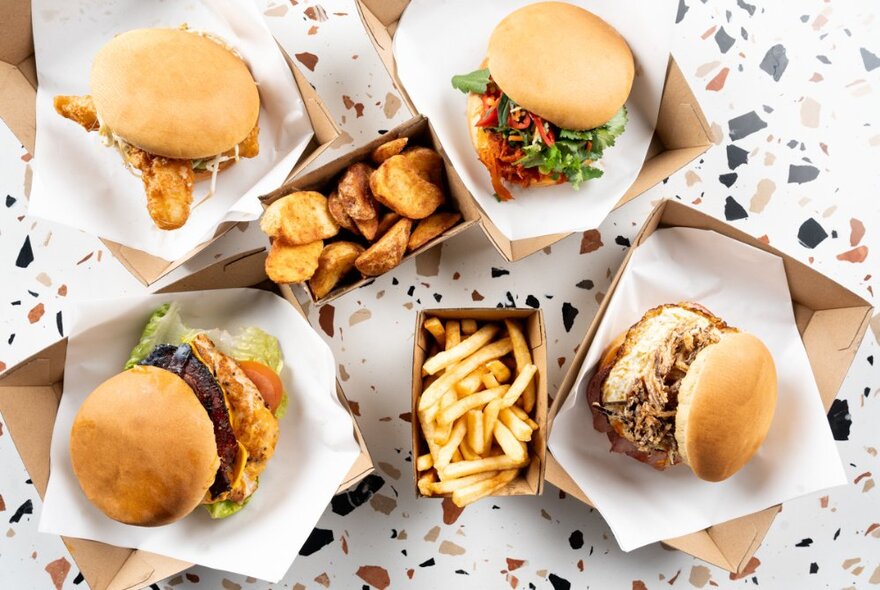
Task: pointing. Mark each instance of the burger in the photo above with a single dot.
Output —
(178, 106)
(186, 425)
(681, 386)
(549, 97)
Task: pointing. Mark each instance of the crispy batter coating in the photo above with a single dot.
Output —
(79, 109)
(250, 145)
(168, 184)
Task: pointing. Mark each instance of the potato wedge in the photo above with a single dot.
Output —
(427, 162)
(430, 227)
(354, 191)
(336, 259)
(387, 252)
(337, 210)
(369, 228)
(386, 221)
(388, 149)
(399, 186)
(299, 218)
(293, 264)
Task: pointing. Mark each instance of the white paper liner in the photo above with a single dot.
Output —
(436, 40)
(81, 183)
(316, 446)
(747, 288)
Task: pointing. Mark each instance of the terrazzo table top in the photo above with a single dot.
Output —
(791, 92)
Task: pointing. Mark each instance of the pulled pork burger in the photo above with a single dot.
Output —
(187, 425)
(178, 106)
(681, 386)
(549, 97)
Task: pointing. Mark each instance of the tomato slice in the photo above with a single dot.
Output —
(266, 380)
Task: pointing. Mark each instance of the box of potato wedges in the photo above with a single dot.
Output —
(479, 403)
(360, 215)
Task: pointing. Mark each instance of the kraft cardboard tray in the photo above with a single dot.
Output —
(530, 483)
(324, 179)
(29, 397)
(831, 320)
(681, 133)
(18, 91)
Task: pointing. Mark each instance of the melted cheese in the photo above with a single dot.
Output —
(636, 361)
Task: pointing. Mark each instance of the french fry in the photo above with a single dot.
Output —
(499, 370)
(463, 496)
(444, 454)
(489, 380)
(475, 431)
(521, 414)
(463, 468)
(424, 482)
(465, 348)
(523, 357)
(519, 386)
(424, 462)
(520, 429)
(435, 327)
(444, 430)
(428, 434)
(490, 416)
(457, 372)
(466, 451)
(472, 383)
(453, 412)
(468, 327)
(457, 456)
(512, 447)
(453, 333)
(450, 485)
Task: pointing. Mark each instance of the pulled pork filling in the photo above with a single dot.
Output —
(635, 398)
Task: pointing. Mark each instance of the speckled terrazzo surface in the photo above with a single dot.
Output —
(791, 91)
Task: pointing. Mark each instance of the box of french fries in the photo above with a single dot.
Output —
(479, 403)
(362, 214)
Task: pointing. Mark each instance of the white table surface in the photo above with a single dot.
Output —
(821, 112)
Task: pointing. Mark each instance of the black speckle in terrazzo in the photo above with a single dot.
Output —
(394, 281)
(871, 61)
(532, 301)
(733, 210)
(16, 302)
(26, 508)
(462, 572)
(814, 568)
(585, 284)
(576, 540)
(836, 534)
(871, 359)
(745, 125)
(318, 539)
(33, 293)
(154, 586)
(833, 234)
(59, 324)
(622, 241)
(78, 579)
(839, 419)
(725, 41)
(428, 563)
(569, 312)
(383, 131)
(682, 10)
(499, 272)
(824, 59)
(750, 8)
(811, 234)
(559, 583)
(775, 61)
(728, 179)
(438, 297)
(411, 290)
(867, 391)
(736, 156)
(804, 542)
(11, 338)
(345, 502)
(802, 174)
(510, 300)
(10, 200)
(25, 255)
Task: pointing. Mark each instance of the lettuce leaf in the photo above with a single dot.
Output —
(476, 82)
(226, 508)
(249, 344)
(164, 326)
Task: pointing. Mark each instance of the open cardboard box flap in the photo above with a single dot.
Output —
(18, 91)
(681, 132)
(29, 397)
(832, 321)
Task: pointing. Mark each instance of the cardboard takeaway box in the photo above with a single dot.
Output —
(532, 482)
(29, 397)
(18, 91)
(831, 320)
(324, 179)
(681, 133)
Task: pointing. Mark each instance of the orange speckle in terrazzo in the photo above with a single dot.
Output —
(325, 319)
(62, 291)
(717, 83)
(591, 241)
(451, 512)
(432, 534)
(313, 30)
(855, 255)
(514, 582)
(476, 296)
(856, 231)
(36, 313)
(513, 564)
(58, 571)
(639, 585)
(374, 575)
(323, 579)
(316, 13)
(309, 60)
(343, 541)
(192, 578)
(2, 368)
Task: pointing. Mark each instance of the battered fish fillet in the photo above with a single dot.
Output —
(250, 145)
(168, 184)
(79, 109)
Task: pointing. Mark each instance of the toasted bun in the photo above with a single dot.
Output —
(143, 447)
(725, 405)
(174, 93)
(563, 63)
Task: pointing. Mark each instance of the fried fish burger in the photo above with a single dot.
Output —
(186, 426)
(681, 386)
(549, 97)
(178, 105)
